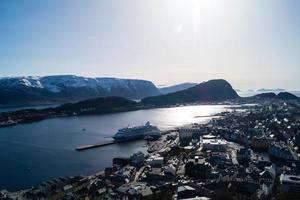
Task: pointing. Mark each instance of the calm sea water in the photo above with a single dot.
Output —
(32, 153)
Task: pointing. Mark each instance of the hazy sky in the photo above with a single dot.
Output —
(251, 43)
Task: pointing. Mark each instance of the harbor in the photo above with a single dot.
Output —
(55, 148)
(146, 132)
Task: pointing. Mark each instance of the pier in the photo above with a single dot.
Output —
(101, 144)
(92, 146)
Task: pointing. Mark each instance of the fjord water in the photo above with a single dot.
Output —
(32, 153)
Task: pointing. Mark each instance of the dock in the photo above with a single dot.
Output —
(92, 146)
(101, 144)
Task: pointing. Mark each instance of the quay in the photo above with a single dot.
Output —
(92, 146)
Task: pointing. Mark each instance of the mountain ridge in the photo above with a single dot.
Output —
(212, 90)
(66, 88)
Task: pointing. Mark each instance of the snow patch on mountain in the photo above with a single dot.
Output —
(57, 83)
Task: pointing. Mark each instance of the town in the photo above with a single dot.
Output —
(250, 152)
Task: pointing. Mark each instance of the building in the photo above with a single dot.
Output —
(266, 180)
(137, 159)
(185, 137)
(214, 144)
(187, 192)
(280, 150)
(189, 133)
(261, 142)
(197, 169)
(155, 160)
(289, 183)
(170, 170)
(244, 155)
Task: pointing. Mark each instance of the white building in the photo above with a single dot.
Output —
(214, 144)
(155, 160)
(189, 132)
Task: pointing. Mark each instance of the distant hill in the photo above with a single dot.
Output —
(99, 105)
(210, 91)
(268, 95)
(286, 96)
(175, 88)
(272, 95)
(66, 88)
(102, 105)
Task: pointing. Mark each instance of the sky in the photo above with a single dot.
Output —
(251, 43)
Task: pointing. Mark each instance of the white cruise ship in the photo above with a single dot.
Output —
(138, 132)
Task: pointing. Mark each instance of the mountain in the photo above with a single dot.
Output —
(268, 95)
(210, 91)
(272, 95)
(175, 88)
(65, 88)
(286, 96)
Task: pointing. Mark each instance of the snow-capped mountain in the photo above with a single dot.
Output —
(175, 88)
(64, 88)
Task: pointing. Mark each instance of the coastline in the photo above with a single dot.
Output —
(164, 132)
(34, 115)
(96, 130)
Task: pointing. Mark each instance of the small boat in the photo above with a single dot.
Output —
(8, 123)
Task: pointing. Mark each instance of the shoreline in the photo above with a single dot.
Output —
(164, 132)
(164, 127)
(34, 115)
